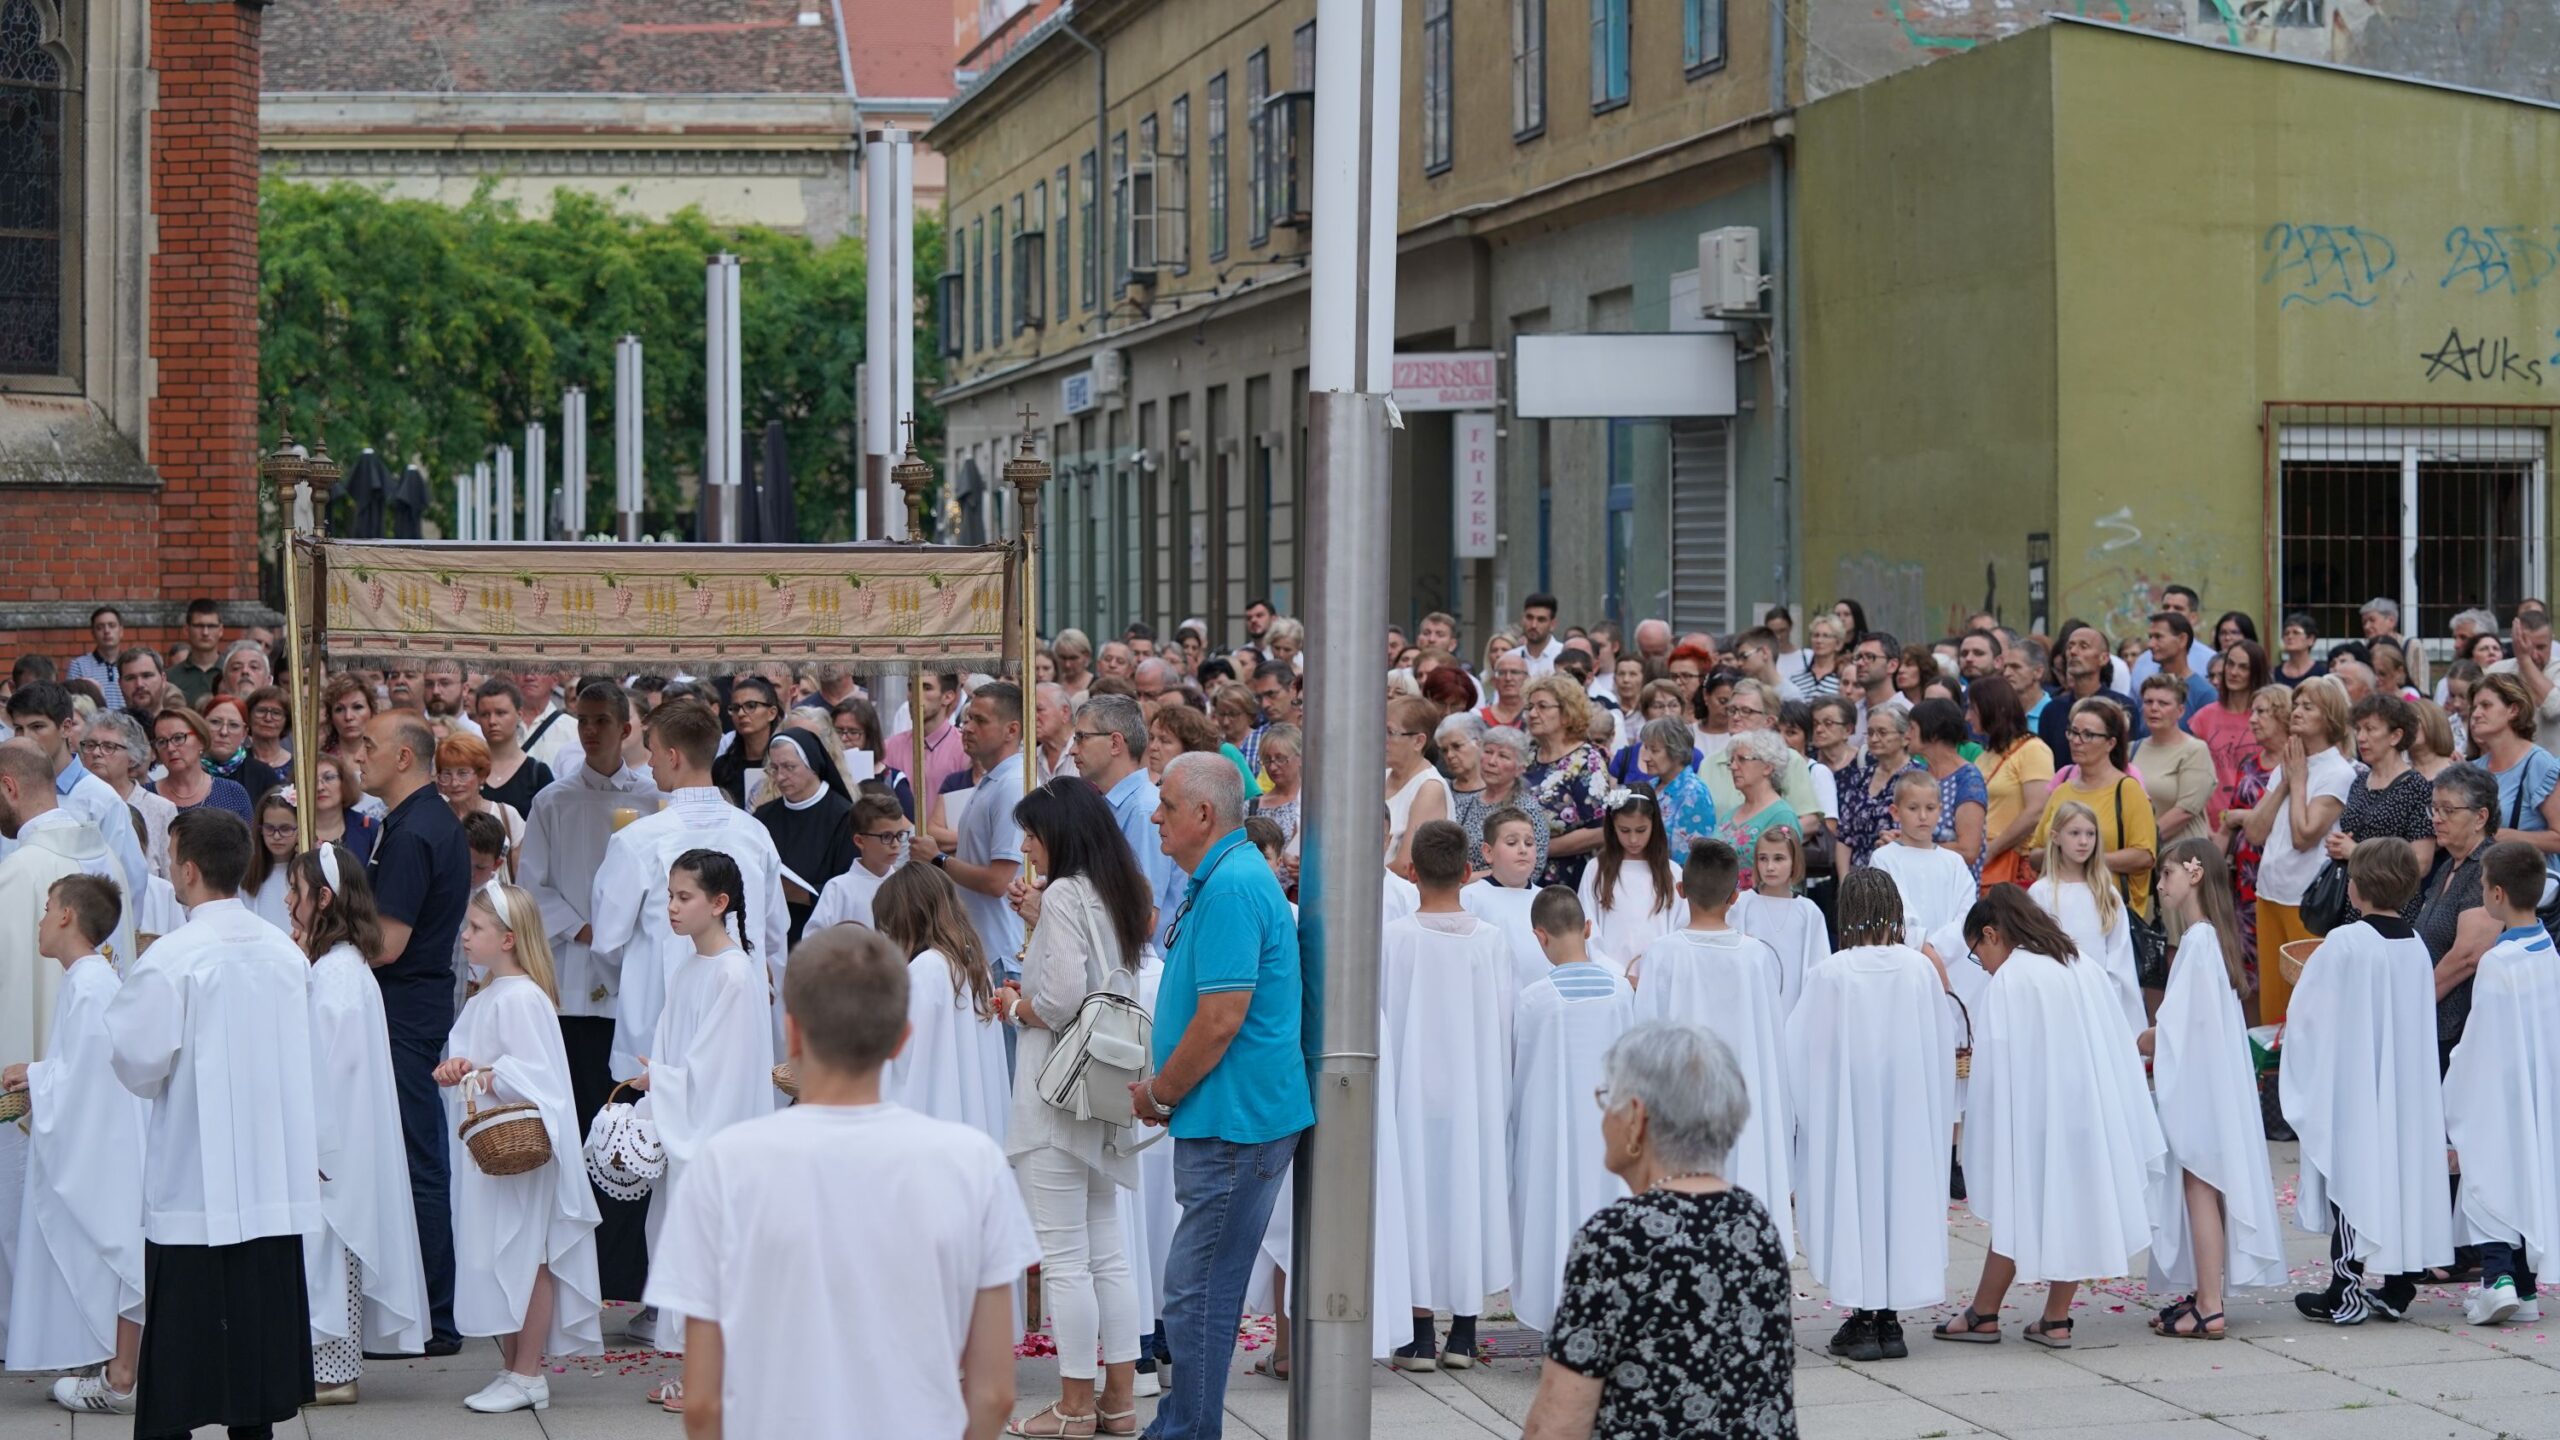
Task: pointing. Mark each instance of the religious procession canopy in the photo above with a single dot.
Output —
(698, 606)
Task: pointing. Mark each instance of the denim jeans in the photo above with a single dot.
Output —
(2497, 1258)
(1226, 1191)
(423, 1123)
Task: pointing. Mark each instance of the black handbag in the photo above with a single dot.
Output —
(2324, 905)
(2549, 914)
(2150, 940)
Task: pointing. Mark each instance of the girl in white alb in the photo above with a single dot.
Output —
(524, 1246)
(953, 1066)
(2082, 897)
(1629, 892)
(1772, 913)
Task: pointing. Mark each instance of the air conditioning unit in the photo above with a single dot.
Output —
(1110, 372)
(1729, 271)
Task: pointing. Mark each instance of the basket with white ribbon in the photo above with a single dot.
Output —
(624, 1157)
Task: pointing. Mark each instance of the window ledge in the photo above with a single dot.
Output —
(64, 442)
(1534, 132)
(1705, 68)
(1603, 107)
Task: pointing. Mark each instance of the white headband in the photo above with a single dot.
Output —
(496, 894)
(329, 863)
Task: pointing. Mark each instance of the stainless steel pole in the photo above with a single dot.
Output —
(506, 493)
(537, 482)
(1351, 339)
(630, 473)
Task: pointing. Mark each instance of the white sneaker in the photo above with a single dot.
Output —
(511, 1392)
(2528, 1312)
(89, 1395)
(642, 1332)
(2492, 1304)
(1148, 1385)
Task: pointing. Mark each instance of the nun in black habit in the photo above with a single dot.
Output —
(810, 818)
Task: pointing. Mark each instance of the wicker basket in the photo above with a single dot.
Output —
(503, 1139)
(786, 1081)
(2292, 956)
(13, 1106)
(1964, 1050)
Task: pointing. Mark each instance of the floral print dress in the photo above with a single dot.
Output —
(1569, 791)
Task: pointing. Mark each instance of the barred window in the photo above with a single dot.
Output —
(39, 120)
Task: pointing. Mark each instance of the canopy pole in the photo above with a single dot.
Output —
(303, 481)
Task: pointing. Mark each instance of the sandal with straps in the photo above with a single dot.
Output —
(1117, 1422)
(1969, 1329)
(1063, 1426)
(2051, 1334)
(2185, 1310)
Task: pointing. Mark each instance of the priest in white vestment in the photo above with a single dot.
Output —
(628, 907)
(2060, 1140)
(2362, 1092)
(1874, 1095)
(75, 1297)
(2217, 1181)
(52, 842)
(2502, 1098)
(1445, 993)
(213, 1028)
(1708, 973)
(1562, 1026)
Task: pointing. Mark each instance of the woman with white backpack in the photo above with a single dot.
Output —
(1087, 922)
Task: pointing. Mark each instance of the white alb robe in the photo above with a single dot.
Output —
(629, 909)
(1937, 887)
(2060, 1142)
(2074, 907)
(50, 846)
(1397, 898)
(846, 900)
(1874, 1095)
(1559, 1170)
(565, 835)
(1147, 1213)
(78, 1257)
(213, 1028)
(505, 1227)
(364, 1168)
(2361, 1091)
(953, 1067)
(1621, 930)
(1728, 982)
(709, 1069)
(1506, 909)
(156, 913)
(2502, 1100)
(1790, 925)
(2207, 1089)
(1446, 1001)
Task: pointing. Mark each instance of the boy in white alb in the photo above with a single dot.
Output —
(2502, 1097)
(881, 834)
(847, 1267)
(1937, 887)
(75, 1296)
(1561, 1028)
(1445, 993)
(1708, 973)
(1503, 900)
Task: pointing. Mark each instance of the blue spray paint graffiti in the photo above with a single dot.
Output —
(2497, 259)
(2319, 263)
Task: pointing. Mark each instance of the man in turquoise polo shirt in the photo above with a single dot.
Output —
(1230, 1081)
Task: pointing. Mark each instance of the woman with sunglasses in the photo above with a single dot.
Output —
(755, 711)
(179, 738)
(2128, 830)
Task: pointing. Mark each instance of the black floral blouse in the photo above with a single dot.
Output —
(1679, 1305)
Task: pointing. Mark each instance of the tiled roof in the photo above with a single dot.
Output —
(577, 47)
(901, 48)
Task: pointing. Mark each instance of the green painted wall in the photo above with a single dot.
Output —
(1925, 285)
(2049, 286)
(2235, 231)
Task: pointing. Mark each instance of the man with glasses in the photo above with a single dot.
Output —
(565, 834)
(1277, 688)
(1110, 747)
(1754, 706)
(1871, 674)
(195, 675)
(42, 714)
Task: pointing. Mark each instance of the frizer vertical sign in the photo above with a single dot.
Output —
(1478, 517)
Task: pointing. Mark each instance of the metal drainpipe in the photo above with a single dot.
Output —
(1780, 354)
(1101, 148)
(844, 60)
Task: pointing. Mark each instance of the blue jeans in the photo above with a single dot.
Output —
(423, 1125)
(1225, 1191)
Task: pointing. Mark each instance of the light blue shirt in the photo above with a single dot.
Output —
(1234, 932)
(1583, 980)
(988, 836)
(1133, 806)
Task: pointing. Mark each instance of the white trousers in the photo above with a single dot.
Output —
(1084, 1262)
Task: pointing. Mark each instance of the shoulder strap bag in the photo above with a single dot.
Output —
(2150, 940)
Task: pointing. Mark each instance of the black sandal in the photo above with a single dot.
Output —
(1971, 1332)
(2186, 1310)
(2051, 1334)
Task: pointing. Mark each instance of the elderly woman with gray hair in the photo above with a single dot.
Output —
(1504, 753)
(114, 749)
(1675, 1317)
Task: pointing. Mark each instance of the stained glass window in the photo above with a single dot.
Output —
(32, 103)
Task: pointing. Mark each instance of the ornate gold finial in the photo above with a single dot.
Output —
(914, 477)
(1024, 470)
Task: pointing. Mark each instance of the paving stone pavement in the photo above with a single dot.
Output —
(2278, 1377)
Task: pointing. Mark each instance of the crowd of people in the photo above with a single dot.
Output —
(1832, 930)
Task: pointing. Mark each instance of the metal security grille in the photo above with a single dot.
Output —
(2439, 508)
(1701, 526)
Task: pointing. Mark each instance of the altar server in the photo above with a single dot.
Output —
(2213, 1205)
(1444, 987)
(1770, 911)
(1708, 973)
(2060, 1142)
(1874, 1095)
(75, 1297)
(1936, 885)
(881, 836)
(629, 903)
(1561, 1028)
(711, 1065)
(368, 1287)
(1628, 890)
(1503, 897)
(2502, 1097)
(2361, 1089)
(213, 1028)
(524, 1245)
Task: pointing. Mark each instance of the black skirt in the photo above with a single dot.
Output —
(226, 1336)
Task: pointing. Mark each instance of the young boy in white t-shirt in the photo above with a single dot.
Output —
(846, 1266)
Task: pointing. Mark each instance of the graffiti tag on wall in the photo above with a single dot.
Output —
(2315, 264)
(2484, 360)
(2497, 259)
